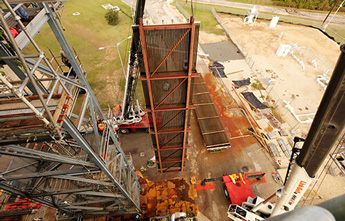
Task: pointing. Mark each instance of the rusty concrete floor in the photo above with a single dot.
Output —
(202, 164)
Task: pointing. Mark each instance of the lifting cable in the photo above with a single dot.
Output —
(191, 5)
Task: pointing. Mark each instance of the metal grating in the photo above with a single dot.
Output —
(167, 67)
(211, 128)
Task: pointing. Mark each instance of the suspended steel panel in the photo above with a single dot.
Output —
(167, 67)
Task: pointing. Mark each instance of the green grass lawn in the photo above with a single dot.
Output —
(86, 33)
(203, 14)
(256, 2)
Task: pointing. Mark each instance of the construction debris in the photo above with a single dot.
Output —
(166, 197)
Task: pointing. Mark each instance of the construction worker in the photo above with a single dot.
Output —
(193, 180)
(142, 169)
(65, 60)
(22, 13)
(101, 125)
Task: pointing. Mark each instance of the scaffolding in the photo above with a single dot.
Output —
(52, 150)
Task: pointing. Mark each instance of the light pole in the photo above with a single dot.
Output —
(118, 51)
(326, 25)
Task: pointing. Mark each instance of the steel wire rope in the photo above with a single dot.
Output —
(191, 5)
(328, 164)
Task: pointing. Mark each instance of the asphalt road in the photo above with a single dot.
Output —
(157, 12)
(160, 12)
(338, 19)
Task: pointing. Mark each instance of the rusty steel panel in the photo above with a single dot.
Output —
(211, 128)
(168, 51)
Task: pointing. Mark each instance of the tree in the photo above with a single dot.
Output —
(112, 16)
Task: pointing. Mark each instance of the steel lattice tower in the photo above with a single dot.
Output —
(51, 149)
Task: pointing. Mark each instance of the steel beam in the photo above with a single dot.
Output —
(168, 170)
(102, 194)
(18, 168)
(172, 147)
(25, 195)
(92, 202)
(190, 64)
(85, 208)
(167, 27)
(169, 140)
(64, 45)
(123, 184)
(115, 204)
(85, 180)
(167, 77)
(61, 192)
(40, 155)
(73, 172)
(173, 160)
(175, 108)
(171, 92)
(94, 124)
(35, 26)
(185, 76)
(169, 53)
(167, 131)
(46, 70)
(72, 130)
(160, 129)
(19, 72)
(149, 86)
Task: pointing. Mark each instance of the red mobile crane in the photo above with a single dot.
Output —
(129, 115)
(139, 122)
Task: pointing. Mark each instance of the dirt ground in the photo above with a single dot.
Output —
(290, 82)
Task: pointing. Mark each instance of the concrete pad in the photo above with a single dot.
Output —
(222, 51)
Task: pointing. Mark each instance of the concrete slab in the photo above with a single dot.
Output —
(222, 51)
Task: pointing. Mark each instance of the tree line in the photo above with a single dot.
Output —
(324, 5)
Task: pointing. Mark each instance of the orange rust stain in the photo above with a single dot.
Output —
(238, 144)
(231, 118)
(268, 129)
